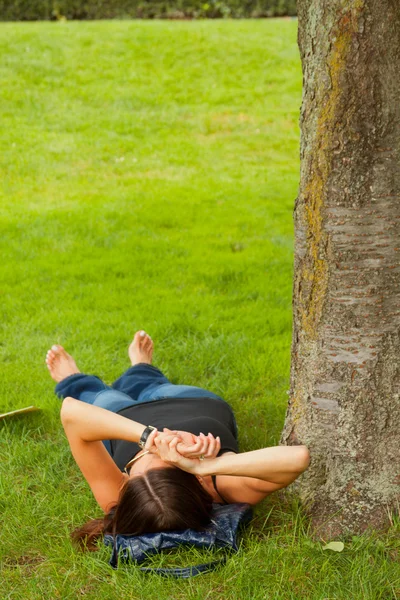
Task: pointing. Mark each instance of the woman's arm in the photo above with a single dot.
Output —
(251, 476)
(246, 477)
(86, 425)
(272, 464)
(92, 423)
(276, 464)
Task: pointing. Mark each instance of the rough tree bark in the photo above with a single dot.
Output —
(345, 374)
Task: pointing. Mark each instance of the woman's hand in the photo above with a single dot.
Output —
(205, 446)
(196, 446)
(167, 450)
(186, 446)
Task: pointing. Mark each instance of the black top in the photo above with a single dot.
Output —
(209, 415)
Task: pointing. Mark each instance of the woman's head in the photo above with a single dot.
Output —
(158, 500)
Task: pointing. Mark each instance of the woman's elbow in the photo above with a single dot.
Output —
(67, 412)
(302, 458)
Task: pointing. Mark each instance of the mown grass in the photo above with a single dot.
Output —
(148, 176)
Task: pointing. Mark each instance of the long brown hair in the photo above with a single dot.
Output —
(159, 500)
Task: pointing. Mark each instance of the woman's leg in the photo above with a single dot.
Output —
(80, 386)
(90, 389)
(70, 381)
(142, 376)
(142, 382)
(87, 388)
(145, 383)
(139, 379)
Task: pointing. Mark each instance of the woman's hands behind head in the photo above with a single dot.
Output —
(202, 446)
(183, 449)
(167, 451)
(195, 446)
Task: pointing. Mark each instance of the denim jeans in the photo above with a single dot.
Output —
(139, 384)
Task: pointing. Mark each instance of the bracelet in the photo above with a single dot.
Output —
(145, 435)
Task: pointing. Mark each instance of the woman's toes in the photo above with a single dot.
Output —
(59, 350)
(60, 363)
(141, 348)
(137, 338)
(145, 343)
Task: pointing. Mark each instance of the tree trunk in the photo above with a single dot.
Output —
(345, 375)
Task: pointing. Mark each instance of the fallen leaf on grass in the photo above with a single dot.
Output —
(335, 546)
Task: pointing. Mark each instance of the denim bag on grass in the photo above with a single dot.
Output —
(221, 533)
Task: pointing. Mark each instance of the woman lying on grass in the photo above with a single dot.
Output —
(167, 475)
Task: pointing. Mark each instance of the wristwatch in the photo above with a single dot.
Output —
(145, 435)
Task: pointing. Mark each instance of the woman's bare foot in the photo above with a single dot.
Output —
(141, 349)
(60, 363)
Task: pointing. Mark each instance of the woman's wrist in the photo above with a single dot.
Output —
(206, 467)
(148, 429)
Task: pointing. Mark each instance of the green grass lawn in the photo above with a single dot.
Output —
(148, 174)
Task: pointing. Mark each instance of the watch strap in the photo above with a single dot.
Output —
(145, 435)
